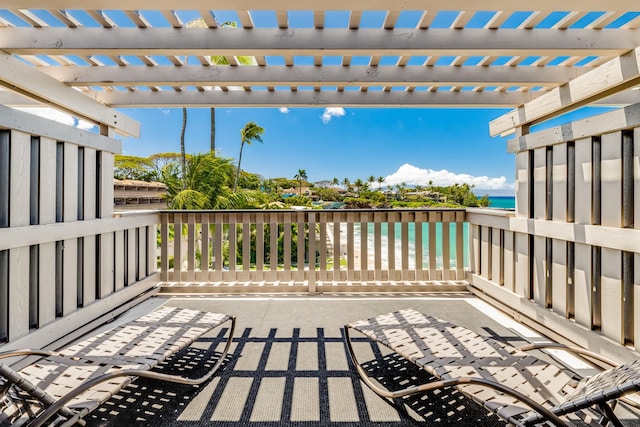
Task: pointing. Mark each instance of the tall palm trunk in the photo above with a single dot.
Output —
(183, 155)
(213, 131)
(235, 183)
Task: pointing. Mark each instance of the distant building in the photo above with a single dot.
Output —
(131, 195)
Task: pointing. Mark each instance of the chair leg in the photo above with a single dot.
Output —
(609, 415)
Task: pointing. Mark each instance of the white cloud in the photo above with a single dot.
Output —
(332, 112)
(58, 116)
(284, 110)
(412, 175)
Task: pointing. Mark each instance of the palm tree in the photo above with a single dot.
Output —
(205, 185)
(380, 180)
(250, 133)
(301, 176)
(183, 154)
(371, 179)
(335, 181)
(219, 60)
(346, 183)
(358, 183)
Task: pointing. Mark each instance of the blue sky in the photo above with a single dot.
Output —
(357, 144)
(403, 145)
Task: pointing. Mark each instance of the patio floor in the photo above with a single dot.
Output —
(289, 366)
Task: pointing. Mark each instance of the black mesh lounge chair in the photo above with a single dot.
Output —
(520, 388)
(62, 387)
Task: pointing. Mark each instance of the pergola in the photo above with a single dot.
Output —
(86, 58)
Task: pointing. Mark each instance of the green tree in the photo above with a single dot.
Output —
(335, 181)
(132, 167)
(206, 184)
(346, 183)
(380, 180)
(358, 185)
(250, 133)
(301, 176)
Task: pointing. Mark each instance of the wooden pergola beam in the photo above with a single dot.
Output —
(614, 76)
(310, 75)
(310, 42)
(478, 5)
(26, 80)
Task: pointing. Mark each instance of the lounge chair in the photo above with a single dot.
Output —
(520, 388)
(64, 386)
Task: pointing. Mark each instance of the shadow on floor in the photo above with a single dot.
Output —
(278, 380)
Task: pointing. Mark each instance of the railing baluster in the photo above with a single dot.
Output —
(191, 247)
(217, 247)
(391, 246)
(233, 242)
(322, 269)
(336, 247)
(177, 247)
(311, 274)
(459, 245)
(259, 247)
(164, 247)
(377, 245)
(246, 246)
(418, 230)
(405, 218)
(300, 221)
(286, 237)
(364, 246)
(350, 248)
(273, 243)
(433, 218)
(205, 258)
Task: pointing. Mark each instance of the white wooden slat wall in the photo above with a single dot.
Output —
(71, 264)
(597, 298)
(20, 149)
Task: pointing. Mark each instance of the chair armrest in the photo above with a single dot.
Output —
(570, 349)
(26, 352)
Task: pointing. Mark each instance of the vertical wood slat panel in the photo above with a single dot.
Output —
(217, 247)
(539, 269)
(322, 273)
(583, 283)
(89, 183)
(260, 254)
(496, 256)
(177, 247)
(583, 180)
(106, 264)
(70, 212)
(47, 215)
(191, 247)
(88, 270)
(433, 219)
(131, 256)
(522, 184)
(336, 246)
(205, 256)
(611, 181)
(107, 185)
(559, 276)
(539, 185)
(508, 257)
(19, 215)
(246, 246)
(312, 253)
(418, 239)
(636, 211)
(446, 245)
(47, 289)
(377, 245)
(612, 294)
(350, 247)
(391, 246)
(404, 245)
(119, 262)
(286, 273)
(460, 246)
(485, 236)
(164, 248)
(300, 221)
(364, 248)
(142, 253)
(522, 264)
(474, 248)
(152, 250)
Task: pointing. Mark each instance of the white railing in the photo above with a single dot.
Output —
(336, 247)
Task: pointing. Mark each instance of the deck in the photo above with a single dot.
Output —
(290, 367)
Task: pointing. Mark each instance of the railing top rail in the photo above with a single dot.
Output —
(169, 211)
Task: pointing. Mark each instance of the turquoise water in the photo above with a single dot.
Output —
(498, 202)
(502, 202)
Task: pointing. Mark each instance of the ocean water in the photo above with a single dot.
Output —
(497, 202)
(502, 202)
